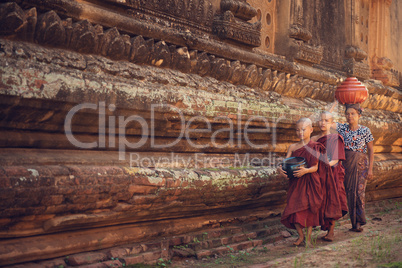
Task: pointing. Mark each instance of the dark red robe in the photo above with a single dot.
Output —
(304, 196)
(334, 204)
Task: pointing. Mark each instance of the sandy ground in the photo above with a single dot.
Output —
(379, 245)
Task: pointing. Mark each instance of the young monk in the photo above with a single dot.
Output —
(304, 196)
(332, 174)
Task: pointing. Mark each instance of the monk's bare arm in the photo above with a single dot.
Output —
(370, 149)
(290, 150)
(333, 162)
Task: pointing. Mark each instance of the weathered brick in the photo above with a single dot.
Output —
(113, 263)
(151, 246)
(133, 260)
(27, 265)
(257, 243)
(225, 240)
(183, 252)
(86, 258)
(151, 256)
(175, 241)
(187, 239)
(136, 249)
(252, 235)
(243, 245)
(203, 253)
(118, 252)
(214, 233)
(94, 265)
(53, 263)
(239, 238)
(221, 250)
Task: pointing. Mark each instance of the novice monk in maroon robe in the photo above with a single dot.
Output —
(332, 173)
(304, 196)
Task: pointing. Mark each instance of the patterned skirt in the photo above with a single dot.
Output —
(356, 171)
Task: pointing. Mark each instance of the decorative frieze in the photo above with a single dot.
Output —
(299, 33)
(300, 50)
(232, 23)
(354, 64)
(196, 14)
(382, 71)
(303, 52)
(357, 69)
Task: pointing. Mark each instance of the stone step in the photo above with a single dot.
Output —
(221, 241)
(247, 245)
(267, 223)
(230, 237)
(150, 257)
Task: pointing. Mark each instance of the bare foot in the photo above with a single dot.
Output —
(357, 229)
(308, 244)
(298, 241)
(329, 237)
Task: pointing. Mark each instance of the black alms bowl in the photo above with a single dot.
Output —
(291, 164)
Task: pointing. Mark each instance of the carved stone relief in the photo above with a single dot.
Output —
(300, 49)
(233, 23)
(353, 63)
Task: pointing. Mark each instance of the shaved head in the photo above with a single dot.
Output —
(327, 114)
(305, 121)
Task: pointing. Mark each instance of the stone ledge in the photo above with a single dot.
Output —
(36, 78)
(44, 198)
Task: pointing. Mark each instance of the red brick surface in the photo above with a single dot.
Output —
(86, 258)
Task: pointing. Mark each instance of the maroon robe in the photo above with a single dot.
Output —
(304, 196)
(331, 205)
(336, 151)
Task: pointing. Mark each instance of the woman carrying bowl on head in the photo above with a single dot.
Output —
(358, 166)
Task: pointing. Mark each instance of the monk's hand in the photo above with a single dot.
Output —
(282, 172)
(370, 174)
(301, 171)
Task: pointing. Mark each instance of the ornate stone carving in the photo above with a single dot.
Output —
(240, 8)
(192, 13)
(232, 23)
(355, 68)
(303, 52)
(300, 50)
(356, 53)
(299, 33)
(12, 18)
(353, 65)
(84, 37)
(382, 72)
(50, 29)
(180, 58)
